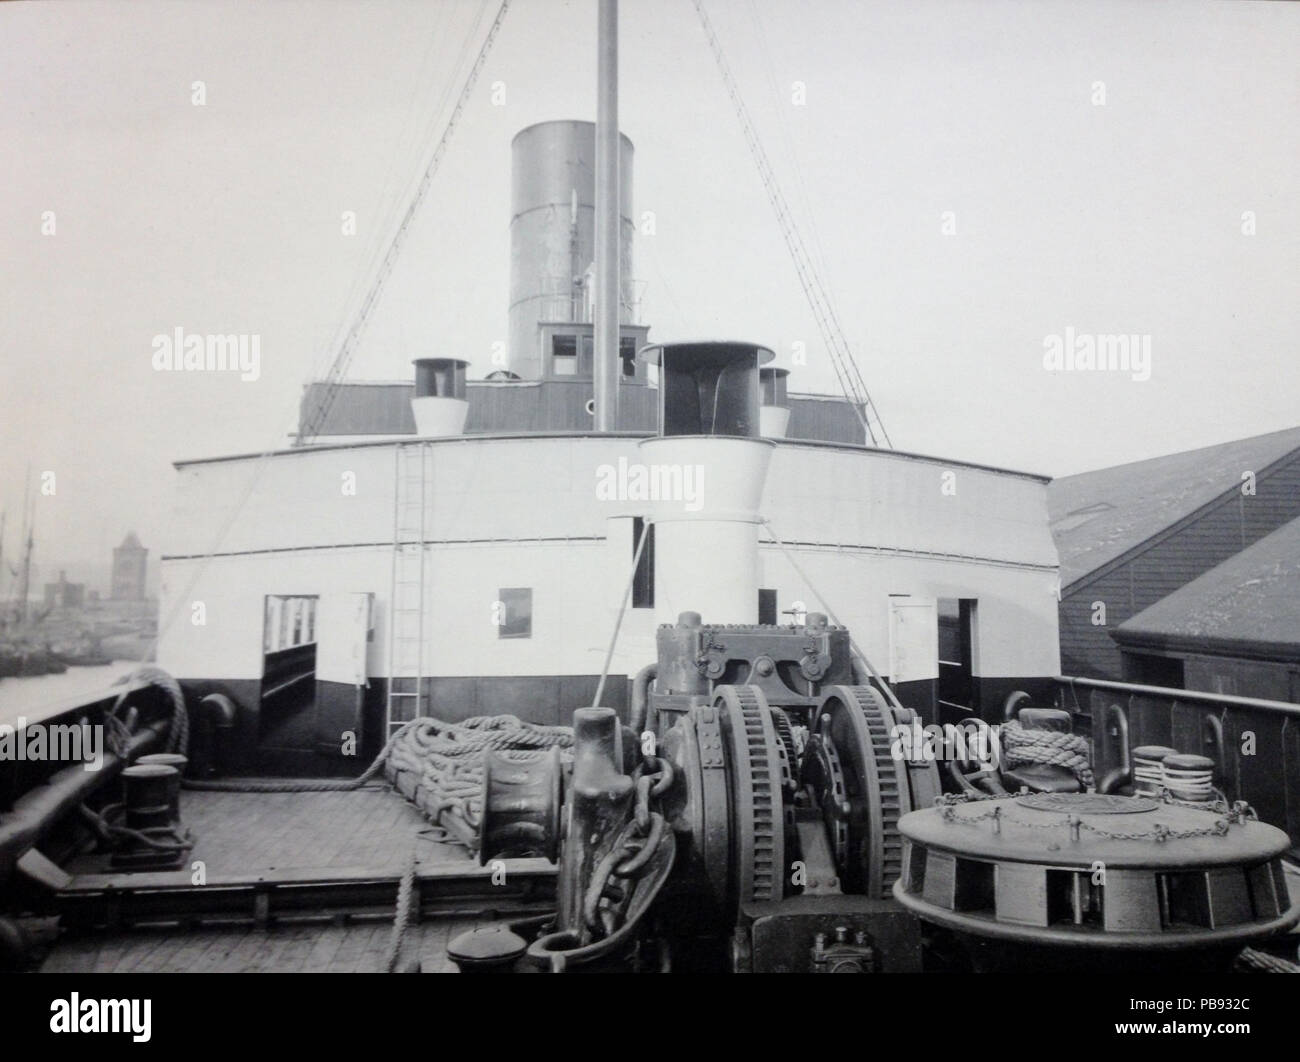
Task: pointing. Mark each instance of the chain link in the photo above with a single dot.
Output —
(632, 852)
(1240, 812)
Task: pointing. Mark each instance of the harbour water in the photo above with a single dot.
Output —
(34, 696)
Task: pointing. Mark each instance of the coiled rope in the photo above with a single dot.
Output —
(112, 834)
(1023, 747)
(445, 759)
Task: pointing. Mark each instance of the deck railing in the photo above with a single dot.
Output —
(1254, 742)
(41, 786)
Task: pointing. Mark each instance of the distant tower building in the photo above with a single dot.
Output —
(129, 561)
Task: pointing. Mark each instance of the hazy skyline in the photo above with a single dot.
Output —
(966, 196)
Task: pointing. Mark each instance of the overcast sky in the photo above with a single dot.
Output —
(1123, 216)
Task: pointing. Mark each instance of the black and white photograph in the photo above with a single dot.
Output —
(650, 486)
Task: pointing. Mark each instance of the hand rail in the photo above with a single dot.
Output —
(74, 704)
(1189, 696)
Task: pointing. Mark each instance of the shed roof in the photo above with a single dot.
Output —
(1250, 601)
(1099, 516)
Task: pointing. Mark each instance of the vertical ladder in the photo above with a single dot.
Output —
(406, 601)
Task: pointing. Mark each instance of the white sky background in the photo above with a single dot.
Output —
(1123, 218)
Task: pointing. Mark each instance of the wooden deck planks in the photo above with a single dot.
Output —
(239, 833)
(316, 948)
(248, 834)
(324, 948)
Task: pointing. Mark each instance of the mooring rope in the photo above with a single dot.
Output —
(446, 760)
(300, 785)
(1025, 747)
(178, 738)
(401, 916)
(172, 838)
(1263, 962)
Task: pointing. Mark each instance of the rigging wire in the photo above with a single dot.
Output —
(387, 203)
(315, 418)
(800, 185)
(395, 194)
(622, 610)
(854, 648)
(842, 360)
(339, 367)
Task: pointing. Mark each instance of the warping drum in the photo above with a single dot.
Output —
(1089, 878)
(152, 791)
(1148, 772)
(169, 759)
(1189, 778)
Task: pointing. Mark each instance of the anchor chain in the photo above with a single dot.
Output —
(609, 893)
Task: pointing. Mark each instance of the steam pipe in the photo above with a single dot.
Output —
(604, 370)
(641, 698)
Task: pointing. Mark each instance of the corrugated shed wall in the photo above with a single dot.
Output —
(1140, 579)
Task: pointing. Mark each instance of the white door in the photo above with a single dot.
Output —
(343, 625)
(913, 640)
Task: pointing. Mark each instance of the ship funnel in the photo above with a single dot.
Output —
(553, 243)
(774, 414)
(439, 405)
(706, 537)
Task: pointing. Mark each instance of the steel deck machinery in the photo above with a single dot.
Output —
(746, 819)
(752, 814)
(755, 817)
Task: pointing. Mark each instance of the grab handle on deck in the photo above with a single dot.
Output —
(1016, 701)
(1116, 737)
(1212, 735)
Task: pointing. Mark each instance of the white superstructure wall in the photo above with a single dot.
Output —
(531, 513)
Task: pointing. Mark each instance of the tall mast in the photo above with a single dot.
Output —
(25, 576)
(608, 211)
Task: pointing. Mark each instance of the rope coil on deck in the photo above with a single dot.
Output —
(1022, 747)
(446, 761)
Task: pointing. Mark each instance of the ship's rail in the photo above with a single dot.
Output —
(40, 785)
(1254, 742)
